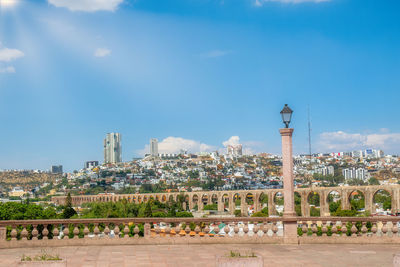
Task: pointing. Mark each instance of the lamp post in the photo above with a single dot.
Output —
(287, 158)
(290, 228)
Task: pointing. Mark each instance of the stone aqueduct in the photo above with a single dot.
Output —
(227, 198)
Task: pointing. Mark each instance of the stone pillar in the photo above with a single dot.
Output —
(191, 206)
(323, 204)
(395, 200)
(243, 205)
(184, 205)
(305, 207)
(271, 204)
(369, 202)
(232, 205)
(290, 228)
(288, 184)
(220, 204)
(200, 204)
(257, 205)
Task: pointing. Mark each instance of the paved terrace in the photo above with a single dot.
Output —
(204, 255)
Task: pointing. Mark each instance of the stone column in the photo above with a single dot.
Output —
(271, 204)
(243, 205)
(290, 228)
(395, 200)
(200, 204)
(345, 200)
(220, 203)
(305, 207)
(369, 203)
(323, 204)
(257, 206)
(288, 184)
(191, 206)
(232, 205)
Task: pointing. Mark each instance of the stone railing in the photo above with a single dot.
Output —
(33, 233)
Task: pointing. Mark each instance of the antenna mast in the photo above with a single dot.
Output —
(309, 135)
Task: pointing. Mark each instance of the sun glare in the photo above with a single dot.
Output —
(8, 3)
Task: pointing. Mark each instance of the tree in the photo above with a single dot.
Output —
(68, 211)
(373, 181)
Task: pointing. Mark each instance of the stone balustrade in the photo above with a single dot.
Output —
(33, 233)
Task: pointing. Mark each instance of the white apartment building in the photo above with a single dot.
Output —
(112, 148)
(353, 173)
(154, 147)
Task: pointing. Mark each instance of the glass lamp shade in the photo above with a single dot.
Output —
(286, 115)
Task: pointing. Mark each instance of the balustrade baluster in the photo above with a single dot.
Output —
(187, 228)
(206, 230)
(256, 228)
(157, 230)
(374, 229)
(354, 229)
(85, 231)
(384, 229)
(264, 228)
(236, 229)
(65, 232)
(304, 228)
(107, 231)
(344, 229)
(364, 229)
(76, 231)
(246, 228)
(35, 232)
(226, 230)
(197, 229)
(116, 230)
(324, 229)
(126, 230)
(334, 230)
(395, 229)
(168, 231)
(146, 230)
(45, 232)
(24, 233)
(274, 229)
(96, 230)
(314, 229)
(14, 232)
(177, 229)
(56, 232)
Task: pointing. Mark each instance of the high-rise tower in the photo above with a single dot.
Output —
(154, 147)
(112, 148)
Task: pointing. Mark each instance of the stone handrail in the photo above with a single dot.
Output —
(33, 233)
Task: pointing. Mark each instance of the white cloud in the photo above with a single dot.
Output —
(102, 52)
(216, 53)
(233, 140)
(9, 69)
(7, 54)
(259, 3)
(87, 5)
(248, 147)
(342, 141)
(173, 145)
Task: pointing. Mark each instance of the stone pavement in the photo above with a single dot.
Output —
(204, 255)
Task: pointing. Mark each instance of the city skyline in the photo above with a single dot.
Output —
(194, 74)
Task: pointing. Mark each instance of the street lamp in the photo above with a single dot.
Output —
(290, 228)
(286, 115)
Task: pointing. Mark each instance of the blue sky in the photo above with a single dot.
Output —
(194, 74)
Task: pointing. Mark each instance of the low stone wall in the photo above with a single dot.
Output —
(146, 231)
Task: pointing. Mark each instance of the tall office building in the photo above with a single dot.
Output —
(154, 147)
(57, 169)
(112, 148)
